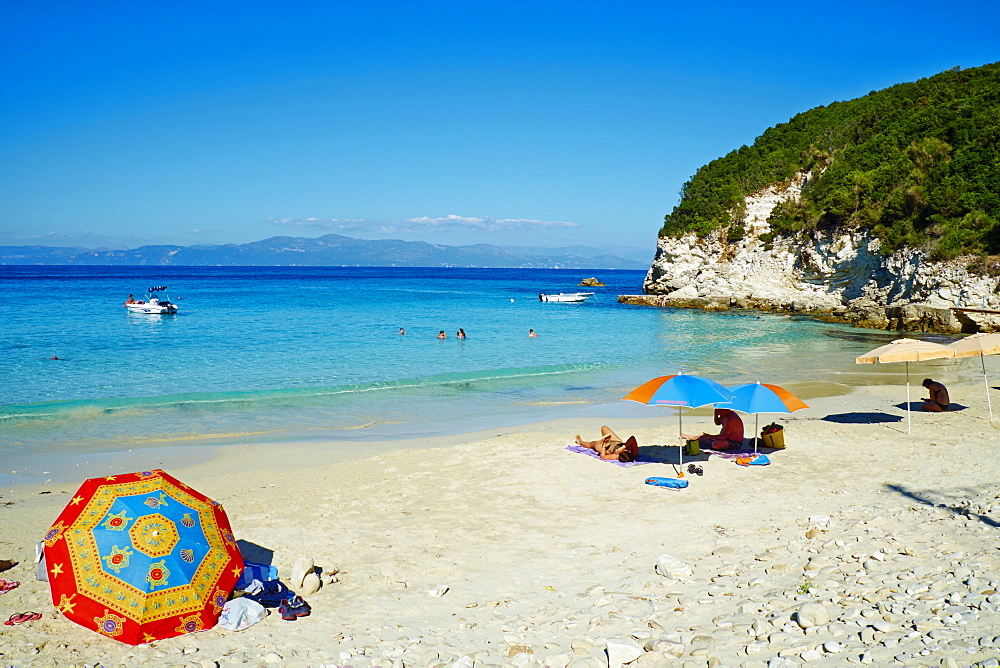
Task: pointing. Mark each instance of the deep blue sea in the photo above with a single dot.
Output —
(278, 353)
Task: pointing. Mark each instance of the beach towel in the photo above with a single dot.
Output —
(271, 593)
(754, 460)
(734, 455)
(672, 483)
(593, 453)
(254, 571)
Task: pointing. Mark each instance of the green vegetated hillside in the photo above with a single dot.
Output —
(917, 164)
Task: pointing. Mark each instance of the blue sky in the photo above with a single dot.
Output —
(536, 123)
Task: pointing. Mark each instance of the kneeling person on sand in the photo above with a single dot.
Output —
(609, 446)
(731, 435)
(939, 401)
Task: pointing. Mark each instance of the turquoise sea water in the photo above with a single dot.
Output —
(272, 353)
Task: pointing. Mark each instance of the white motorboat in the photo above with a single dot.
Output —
(566, 297)
(154, 303)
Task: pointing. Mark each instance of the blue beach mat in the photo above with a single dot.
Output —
(674, 483)
(593, 453)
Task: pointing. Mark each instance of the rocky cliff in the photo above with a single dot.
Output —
(841, 275)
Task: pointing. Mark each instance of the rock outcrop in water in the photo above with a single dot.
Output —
(836, 274)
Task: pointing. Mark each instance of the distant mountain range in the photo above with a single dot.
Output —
(331, 250)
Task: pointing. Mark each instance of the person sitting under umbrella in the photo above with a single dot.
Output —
(938, 401)
(731, 435)
(609, 446)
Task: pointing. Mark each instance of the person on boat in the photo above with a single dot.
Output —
(610, 446)
(130, 300)
(442, 335)
(461, 334)
(731, 435)
(531, 334)
(939, 401)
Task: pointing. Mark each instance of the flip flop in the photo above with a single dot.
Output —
(8, 585)
(18, 618)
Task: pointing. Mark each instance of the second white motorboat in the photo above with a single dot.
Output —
(566, 297)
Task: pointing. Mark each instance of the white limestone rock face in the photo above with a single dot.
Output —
(825, 272)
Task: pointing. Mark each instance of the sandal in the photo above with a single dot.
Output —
(6, 565)
(20, 618)
(8, 585)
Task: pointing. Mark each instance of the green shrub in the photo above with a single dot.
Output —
(917, 164)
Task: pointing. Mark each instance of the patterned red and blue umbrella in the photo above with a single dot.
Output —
(679, 390)
(141, 556)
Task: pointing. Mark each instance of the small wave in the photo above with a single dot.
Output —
(160, 408)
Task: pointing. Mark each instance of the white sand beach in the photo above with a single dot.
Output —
(550, 557)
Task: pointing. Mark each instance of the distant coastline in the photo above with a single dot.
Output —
(331, 250)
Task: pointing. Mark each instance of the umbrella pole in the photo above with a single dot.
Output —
(680, 437)
(907, 397)
(756, 430)
(982, 358)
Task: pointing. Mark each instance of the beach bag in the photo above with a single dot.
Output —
(241, 613)
(773, 436)
(692, 448)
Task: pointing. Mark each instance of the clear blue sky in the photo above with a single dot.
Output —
(542, 123)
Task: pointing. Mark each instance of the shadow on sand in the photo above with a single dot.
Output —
(669, 454)
(926, 498)
(861, 418)
(917, 407)
(255, 553)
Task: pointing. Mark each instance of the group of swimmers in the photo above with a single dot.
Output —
(460, 334)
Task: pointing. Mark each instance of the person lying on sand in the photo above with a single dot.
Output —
(609, 446)
(938, 401)
(731, 435)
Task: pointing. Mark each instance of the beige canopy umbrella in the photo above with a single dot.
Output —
(981, 344)
(906, 351)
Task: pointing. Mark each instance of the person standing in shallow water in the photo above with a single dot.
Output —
(531, 334)
(442, 335)
(461, 334)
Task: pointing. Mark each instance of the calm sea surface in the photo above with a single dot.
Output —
(313, 353)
